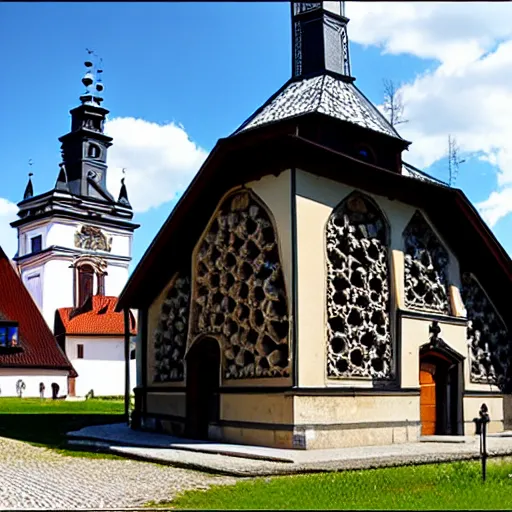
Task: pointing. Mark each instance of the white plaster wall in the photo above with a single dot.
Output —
(117, 276)
(32, 378)
(62, 234)
(102, 368)
(57, 288)
(121, 243)
(30, 231)
(26, 273)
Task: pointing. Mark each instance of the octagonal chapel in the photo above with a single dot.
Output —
(311, 289)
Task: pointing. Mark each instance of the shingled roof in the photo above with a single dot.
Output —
(39, 348)
(324, 94)
(96, 317)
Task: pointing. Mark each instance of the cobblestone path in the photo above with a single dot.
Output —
(33, 477)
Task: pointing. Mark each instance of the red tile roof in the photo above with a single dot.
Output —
(97, 316)
(40, 348)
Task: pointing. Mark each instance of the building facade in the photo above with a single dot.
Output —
(92, 336)
(312, 290)
(29, 355)
(75, 241)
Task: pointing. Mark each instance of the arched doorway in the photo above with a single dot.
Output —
(441, 390)
(203, 376)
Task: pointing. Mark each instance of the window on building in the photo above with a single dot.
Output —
(8, 336)
(365, 153)
(79, 351)
(36, 243)
(85, 283)
(93, 151)
(33, 284)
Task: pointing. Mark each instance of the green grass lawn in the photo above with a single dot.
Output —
(46, 422)
(455, 485)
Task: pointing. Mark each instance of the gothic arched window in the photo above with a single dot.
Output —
(238, 291)
(85, 283)
(487, 335)
(426, 267)
(170, 335)
(358, 334)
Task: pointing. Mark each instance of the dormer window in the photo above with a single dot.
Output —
(9, 337)
(93, 151)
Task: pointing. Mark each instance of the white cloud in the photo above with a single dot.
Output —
(160, 160)
(468, 94)
(8, 235)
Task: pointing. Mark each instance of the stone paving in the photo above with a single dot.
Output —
(33, 477)
(261, 461)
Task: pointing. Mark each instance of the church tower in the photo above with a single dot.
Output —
(75, 240)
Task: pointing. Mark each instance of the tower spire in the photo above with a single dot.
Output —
(84, 148)
(320, 39)
(123, 193)
(29, 189)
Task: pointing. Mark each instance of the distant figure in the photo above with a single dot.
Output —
(41, 390)
(20, 387)
(55, 390)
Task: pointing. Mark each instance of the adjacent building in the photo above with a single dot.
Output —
(74, 241)
(93, 338)
(312, 290)
(29, 354)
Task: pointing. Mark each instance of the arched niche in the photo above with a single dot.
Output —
(358, 301)
(425, 267)
(170, 335)
(238, 289)
(89, 277)
(487, 335)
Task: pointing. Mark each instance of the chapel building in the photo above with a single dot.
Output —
(312, 290)
(74, 245)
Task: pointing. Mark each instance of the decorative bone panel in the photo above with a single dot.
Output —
(486, 333)
(358, 335)
(239, 292)
(426, 267)
(170, 335)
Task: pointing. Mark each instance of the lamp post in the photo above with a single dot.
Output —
(481, 430)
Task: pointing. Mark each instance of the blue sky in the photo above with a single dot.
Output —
(203, 68)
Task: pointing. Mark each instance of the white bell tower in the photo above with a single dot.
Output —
(75, 240)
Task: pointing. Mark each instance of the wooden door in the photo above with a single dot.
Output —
(427, 400)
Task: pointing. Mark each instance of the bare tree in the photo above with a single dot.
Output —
(453, 160)
(393, 103)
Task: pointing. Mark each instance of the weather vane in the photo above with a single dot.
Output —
(92, 76)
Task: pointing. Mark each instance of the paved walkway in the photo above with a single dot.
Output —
(33, 477)
(239, 460)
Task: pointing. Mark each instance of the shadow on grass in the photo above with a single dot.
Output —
(49, 430)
